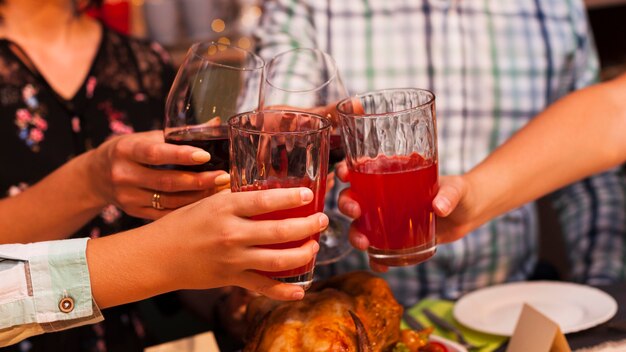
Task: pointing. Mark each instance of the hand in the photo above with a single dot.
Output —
(451, 205)
(220, 242)
(122, 175)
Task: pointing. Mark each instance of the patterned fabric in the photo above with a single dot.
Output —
(123, 92)
(35, 278)
(492, 65)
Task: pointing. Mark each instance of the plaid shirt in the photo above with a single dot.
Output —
(493, 65)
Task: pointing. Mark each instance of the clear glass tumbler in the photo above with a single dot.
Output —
(280, 149)
(390, 137)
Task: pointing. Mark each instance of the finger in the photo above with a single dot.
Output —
(347, 205)
(164, 180)
(252, 203)
(270, 288)
(357, 239)
(175, 200)
(222, 180)
(287, 230)
(160, 153)
(282, 259)
(341, 169)
(447, 198)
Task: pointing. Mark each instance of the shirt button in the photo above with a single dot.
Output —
(66, 305)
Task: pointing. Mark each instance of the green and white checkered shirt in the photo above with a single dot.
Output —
(44, 287)
(493, 65)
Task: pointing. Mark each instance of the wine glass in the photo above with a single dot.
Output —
(216, 81)
(307, 79)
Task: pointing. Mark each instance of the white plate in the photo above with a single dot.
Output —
(450, 345)
(495, 310)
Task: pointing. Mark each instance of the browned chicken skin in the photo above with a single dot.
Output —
(322, 322)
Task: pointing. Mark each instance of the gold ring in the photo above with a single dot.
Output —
(156, 201)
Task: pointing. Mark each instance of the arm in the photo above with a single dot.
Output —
(578, 136)
(114, 173)
(147, 261)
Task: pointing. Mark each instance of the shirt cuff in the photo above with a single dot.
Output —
(58, 288)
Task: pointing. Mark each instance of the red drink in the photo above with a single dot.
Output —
(395, 195)
(316, 205)
(212, 139)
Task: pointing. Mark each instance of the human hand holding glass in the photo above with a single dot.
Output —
(391, 145)
(281, 149)
(215, 82)
(307, 80)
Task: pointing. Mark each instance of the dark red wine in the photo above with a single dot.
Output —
(212, 139)
(336, 150)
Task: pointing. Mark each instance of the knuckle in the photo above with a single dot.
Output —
(152, 154)
(281, 232)
(118, 176)
(165, 183)
(277, 263)
(228, 238)
(263, 289)
(262, 200)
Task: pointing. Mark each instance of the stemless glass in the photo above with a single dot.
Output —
(306, 79)
(280, 149)
(391, 144)
(215, 82)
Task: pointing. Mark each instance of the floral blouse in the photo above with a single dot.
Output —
(124, 92)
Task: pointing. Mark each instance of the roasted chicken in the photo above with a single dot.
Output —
(322, 321)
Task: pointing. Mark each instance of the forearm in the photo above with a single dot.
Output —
(130, 266)
(53, 208)
(579, 135)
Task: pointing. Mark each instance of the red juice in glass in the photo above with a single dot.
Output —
(395, 194)
(316, 205)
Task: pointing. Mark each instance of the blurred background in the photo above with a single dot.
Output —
(178, 23)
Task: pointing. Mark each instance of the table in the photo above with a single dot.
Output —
(603, 332)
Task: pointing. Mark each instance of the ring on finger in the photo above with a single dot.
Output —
(156, 201)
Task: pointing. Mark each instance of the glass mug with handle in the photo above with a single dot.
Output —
(390, 137)
(215, 82)
(280, 149)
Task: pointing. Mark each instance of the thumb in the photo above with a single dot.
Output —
(451, 190)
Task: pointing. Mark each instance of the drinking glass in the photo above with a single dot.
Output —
(281, 149)
(390, 138)
(306, 79)
(215, 82)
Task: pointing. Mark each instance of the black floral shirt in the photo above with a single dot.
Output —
(124, 92)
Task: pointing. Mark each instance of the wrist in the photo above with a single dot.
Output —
(128, 267)
(99, 176)
(92, 195)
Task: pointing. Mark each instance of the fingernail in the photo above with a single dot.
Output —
(443, 205)
(222, 180)
(306, 195)
(298, 295)
(200, 156)
(323, 221)
(352, 209)
(316, 247)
